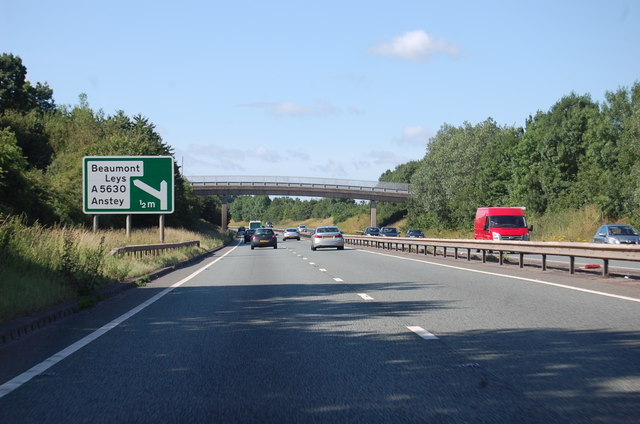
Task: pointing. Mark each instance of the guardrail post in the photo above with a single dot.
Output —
(544, 262)
(455, 253)
(605, 267)
(484, 256)
(521, 261)
(572, 264)
(444, 252)
(501, 257)
(469, 254)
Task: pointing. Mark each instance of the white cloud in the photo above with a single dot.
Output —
(415, 45)
(415, 135)
(331, 168)
(266, 155)
(319, 108)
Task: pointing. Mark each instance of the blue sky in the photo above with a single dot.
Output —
(333, 89)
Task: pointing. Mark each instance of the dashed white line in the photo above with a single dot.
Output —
(322, 270)
(365, 296)
(339, 280)
(422, 333)
(312, 263)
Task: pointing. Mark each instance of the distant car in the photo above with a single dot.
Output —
(412, 232)
(269, 224)
(290, 233)
(302, 228)
(371, 231)
(241, 233)
(248, 234)
(264, 237)
(617, 234)
(389, 232)
(329, 236)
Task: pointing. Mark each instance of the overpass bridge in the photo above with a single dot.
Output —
(373, 191)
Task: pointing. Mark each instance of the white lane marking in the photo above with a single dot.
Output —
(365, 296)
(531, 280)
(304, 259)
(21, 379)
(312, 263)
(339, 280)
(322, 270)
(423, 333)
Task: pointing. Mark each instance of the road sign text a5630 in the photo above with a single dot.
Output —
(128, 184)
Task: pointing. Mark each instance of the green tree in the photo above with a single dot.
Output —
(16, 93)
(548, 156)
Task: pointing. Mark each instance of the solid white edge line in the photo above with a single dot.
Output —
(531, 280)
(422, 333)
(21, 379)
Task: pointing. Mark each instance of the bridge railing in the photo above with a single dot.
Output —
(262, 180)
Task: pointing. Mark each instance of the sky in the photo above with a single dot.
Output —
(329, 89)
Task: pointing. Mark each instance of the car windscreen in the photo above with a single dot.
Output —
(623, 230)
(328, 230)
(506, 221)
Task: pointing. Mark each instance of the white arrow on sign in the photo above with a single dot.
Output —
(161, 194)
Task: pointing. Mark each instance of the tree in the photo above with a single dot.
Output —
(16, 93)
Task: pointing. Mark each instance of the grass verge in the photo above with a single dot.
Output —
(41, 266)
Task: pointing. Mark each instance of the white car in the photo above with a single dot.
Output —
(329, 236)
(302, 228)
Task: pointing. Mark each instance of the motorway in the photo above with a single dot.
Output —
(360, 336)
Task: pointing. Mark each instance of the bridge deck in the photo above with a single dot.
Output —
(298, 186)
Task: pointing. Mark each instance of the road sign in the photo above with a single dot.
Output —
(127, 184)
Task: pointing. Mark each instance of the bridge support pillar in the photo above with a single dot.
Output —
(374, 213)
(223, 220)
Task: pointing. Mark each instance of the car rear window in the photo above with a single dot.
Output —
(264, 231)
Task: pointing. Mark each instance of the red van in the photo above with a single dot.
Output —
(497, 223)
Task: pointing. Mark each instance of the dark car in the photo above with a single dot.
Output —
(269, 224)
(617, 234)
(248, 234)
(371, 231)
(389, 232)
(264, 237)
(412, 232)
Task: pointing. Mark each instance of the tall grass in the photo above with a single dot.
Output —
(41, 266)
(568, 225)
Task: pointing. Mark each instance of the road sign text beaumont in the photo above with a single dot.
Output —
(137, 169)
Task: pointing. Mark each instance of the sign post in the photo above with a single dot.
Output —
(127, 185)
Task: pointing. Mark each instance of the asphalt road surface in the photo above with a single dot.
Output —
(289, 335)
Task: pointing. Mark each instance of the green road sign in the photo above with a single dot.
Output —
(127, 184)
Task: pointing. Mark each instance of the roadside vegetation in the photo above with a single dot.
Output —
(43, 266)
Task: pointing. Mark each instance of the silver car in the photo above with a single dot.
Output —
(617, 234)
(328, 236)
(290, 233)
